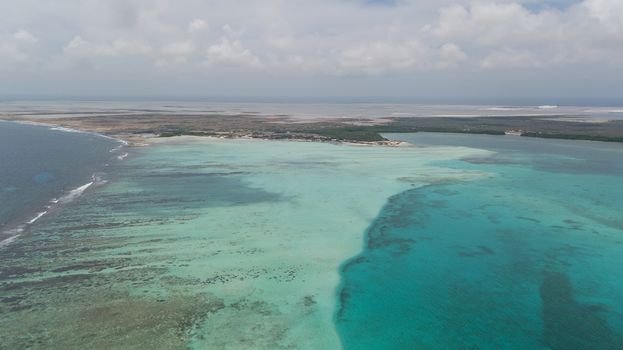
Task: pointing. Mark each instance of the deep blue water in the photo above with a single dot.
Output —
(38, 164)
(529, 258)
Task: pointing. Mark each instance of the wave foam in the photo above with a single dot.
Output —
(37, 217)
(75, 193)
(64, 129)
(67, 198)
(8, 241)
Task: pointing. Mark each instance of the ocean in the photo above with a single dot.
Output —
(451, 242)
(41, 167)
(526, 259)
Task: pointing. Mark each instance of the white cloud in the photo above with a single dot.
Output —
(346, 37)
(510, 59)
(180, 48)
(197, 25)
(510, 35)
(11, 53)
(451, 54)
(79, 47)
(607, 11)
(231, 32)
(25, 36)
(381, 57)
(323, 39)
(492, 24)
(231, 53)
(17, 48)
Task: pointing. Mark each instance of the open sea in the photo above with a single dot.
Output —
(450, 242)
(41, 167)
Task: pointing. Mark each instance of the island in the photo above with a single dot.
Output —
(135, 127)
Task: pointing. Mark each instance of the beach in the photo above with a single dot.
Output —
(334, 122)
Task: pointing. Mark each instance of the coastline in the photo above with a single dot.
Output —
(272, 256)
(16, 228)
(138, 129)
(144, 139)
(238, 230)
(133, 140)
(59, 127)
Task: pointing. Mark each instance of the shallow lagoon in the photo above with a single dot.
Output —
(208, 243)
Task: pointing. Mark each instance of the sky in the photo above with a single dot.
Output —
(416, 50)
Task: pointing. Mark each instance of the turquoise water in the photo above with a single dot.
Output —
(529, 258)
(201, 243)
(206, 244)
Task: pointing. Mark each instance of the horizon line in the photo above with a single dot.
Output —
(493, 101)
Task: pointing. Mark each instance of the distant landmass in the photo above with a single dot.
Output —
(346, 129)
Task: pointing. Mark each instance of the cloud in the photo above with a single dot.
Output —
(510, 59)
(347, 38)
(231, 32)
(506, 34)
(231, 53)
(323, 40)
(380, 57)
(180, 48)
(79, 47)
(17, 48)
(607, 11)
(25, 36)
(449, 56)
(492, 24)
(197, 25)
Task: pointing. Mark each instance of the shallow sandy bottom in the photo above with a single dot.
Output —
(208, 243)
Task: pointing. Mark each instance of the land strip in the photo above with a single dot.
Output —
(136, 127)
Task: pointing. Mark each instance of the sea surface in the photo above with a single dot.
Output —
(527, 259)
(451, 242)
(40, 166)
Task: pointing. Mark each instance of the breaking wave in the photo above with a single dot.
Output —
(9, 236)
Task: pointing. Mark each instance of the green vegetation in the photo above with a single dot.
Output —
(463, 131)
(574, 137)
(351, 134)
(170, 134)
(184, 132)
(344, 131)
(361, 133)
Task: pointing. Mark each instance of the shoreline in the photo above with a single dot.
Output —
(251, 251)
(146, 139)
(58, 127)
(16, 228)
(126, 140)
(142, 140)
(137, 130)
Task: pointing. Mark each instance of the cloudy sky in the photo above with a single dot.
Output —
(386, 49)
